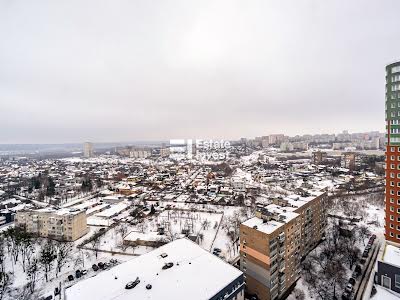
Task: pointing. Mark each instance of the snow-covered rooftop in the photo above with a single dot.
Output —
(196, 274)
(391, 255)
(266, 227)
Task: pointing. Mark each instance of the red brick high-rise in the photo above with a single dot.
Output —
(392, 191)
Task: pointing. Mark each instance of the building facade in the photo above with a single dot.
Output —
(88, 150)
(319, 157)
(392, 191)
(64, 224)
(273, 243)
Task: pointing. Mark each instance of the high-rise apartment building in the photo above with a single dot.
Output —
(392, 197)
(87, 149)
(274, 241)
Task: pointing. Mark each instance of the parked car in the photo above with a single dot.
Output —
(132, 284)
(78, 273)
(83, 272)
(148, 287)
(346, 296)
(352, 281)
(95, 267)
(349, 288)
(70, 277)
(358, 269)
(168, 266)
(101, 265)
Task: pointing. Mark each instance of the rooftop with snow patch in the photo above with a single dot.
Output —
(196, 274)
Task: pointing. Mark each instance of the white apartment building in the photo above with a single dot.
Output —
(64, 224)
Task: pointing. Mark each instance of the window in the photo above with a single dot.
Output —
(391, 225)
(391, 208)
(391, 234)
(397, 281)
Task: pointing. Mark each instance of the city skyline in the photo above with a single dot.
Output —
(141, 71)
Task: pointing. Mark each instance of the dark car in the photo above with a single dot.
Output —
(132, 284)
(365, 254)
(358, 269)
(346, 296)
(148, 287)
(95, 267)
(78, 273)
(352, 281)
(168, 266)
(70, 277)
(101, 265)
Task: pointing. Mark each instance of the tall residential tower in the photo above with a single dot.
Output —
(392, 197)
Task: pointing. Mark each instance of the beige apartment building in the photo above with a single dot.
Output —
(273, 242)
(63, 224)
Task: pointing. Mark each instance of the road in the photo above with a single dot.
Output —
(360, 287)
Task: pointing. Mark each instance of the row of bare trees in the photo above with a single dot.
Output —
(34, 255)
(324, 270)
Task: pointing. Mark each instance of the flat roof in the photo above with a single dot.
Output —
(391, 255)
(196, 274)
(267, 227)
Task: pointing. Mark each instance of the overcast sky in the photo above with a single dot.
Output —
(130, 70)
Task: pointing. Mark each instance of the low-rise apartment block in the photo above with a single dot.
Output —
(63, 224)
(273, 242)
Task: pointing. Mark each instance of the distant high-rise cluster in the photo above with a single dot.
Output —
(88, 150)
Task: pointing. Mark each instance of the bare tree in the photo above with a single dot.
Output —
(363, 233)
(122, 230)
(27, 249)
(96, 242)
(32, 274)
(5, 284)
(63, 250)
(47, 256)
